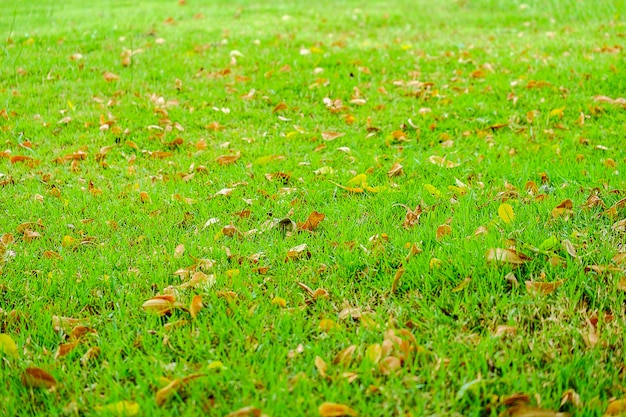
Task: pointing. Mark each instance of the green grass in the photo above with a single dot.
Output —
(504, 90)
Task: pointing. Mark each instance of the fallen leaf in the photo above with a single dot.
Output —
(442, 231)
(442, 162)
(395, 170)
(564, 209)
(298, 252)
(321, 366)
(120, 409)
(505, 212)
(8, 347)
(249, 411)
(505, 256)
(396, 279)
(65, 349)
(616, 407)
(329, 409)
(37, 378)
(331, 135)
(542, 288)
(228, 159)
(345, 356)
(530, 411)
(178, 252)
(160, 305)
(312, 221)
(195, 306)
(165, 393)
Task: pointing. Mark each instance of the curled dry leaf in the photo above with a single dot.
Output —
(564, 209)
(37, 378)
(167, 391)
(442, 162)
(505, 256)
(195, 306)
(389, 365)
(395, 170)
(345, 356)
(542, 288)
(412, 216)
(298, 252)
(65, 349)
(396, 279)
(329, 409)
(160, 304)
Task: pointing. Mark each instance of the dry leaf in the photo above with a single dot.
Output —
(442, 162)
(331, 135)
(228, 159)
(178, 252)
(167, 391)
(412, 216)
(65, 349)
(37, 378)
(530, 411)
(443, 230)
(160, 304)
(542, 288)
(321, 366)
(395, 170)
(328, 409)
(249, 411)
(109, 77)
(345, 356)
(505, 256)
(298, 252)
(195, 306)
(564, 209)
(312, 221)
(616, 407)
(396, 279)
(569, 248)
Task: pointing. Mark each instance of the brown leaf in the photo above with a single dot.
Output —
(505, 256)
(442, 162)
(345, 356)
(412, 217)
(65, 349)
(312, 221)
(443, 231)
(542, 288)
(396, 279)
(92, 353)
(228, 159)
(331, 135)
(329, 409)
(563, 209)
(167, 391)
(298, 252)
(249, 411)
(395, 170)
(37, 378)
(530, 411)
(616, 407)
(160, 305)
(110, 77)
(321, 366)
(195, 306)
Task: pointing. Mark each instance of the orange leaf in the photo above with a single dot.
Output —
(65, 349)
(37, 378)
(616, 407)
(249, 411)
(328, 409)
(196, 305)
(443, 231)
(312, 221)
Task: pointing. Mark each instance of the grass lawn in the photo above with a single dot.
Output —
(373, 208)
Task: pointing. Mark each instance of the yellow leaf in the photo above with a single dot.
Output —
(432, 189)
(557, 112)
(279, 301)
(8, 346)
(335, 410)
(505, 212)
(120, 409)
(360, 179)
